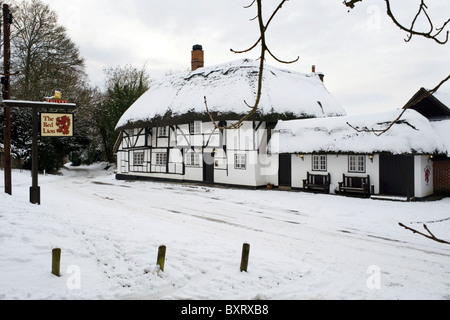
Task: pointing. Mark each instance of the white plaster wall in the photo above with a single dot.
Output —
(193, 174)
(245, 177)
(337, 165)
(120, 162)
(422, 188)
(267, 170)
(242, 138)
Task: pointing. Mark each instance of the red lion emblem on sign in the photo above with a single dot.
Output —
(63, 124)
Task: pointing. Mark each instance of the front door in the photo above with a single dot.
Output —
(285, 171)
(397, 175)
(208, 167)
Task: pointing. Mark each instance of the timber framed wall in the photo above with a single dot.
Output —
(196, 152)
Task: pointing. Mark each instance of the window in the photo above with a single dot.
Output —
(240, 161)
(319, 162)
(161, 159)
(195, 128)
(162, 132)
(138, 158)
(356, 163)
(192, 159)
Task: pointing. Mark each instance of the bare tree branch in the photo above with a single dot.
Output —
(264, 48)
(379, 132)
(351, 3)
(433, 32)
(422, 9)
(431, 236)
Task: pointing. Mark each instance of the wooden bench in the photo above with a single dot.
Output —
(354, 184)
(317, 182)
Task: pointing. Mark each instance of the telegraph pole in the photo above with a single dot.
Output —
(7, 21)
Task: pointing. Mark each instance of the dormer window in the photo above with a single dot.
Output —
(162, 132)
(195, 128)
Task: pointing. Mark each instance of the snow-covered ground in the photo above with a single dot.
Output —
(303, 246)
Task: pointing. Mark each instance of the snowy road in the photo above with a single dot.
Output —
(303, 246)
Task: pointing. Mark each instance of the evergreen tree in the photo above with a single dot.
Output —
(45, 60)
(124, 85)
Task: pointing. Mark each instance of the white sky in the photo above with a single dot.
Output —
(367, 65)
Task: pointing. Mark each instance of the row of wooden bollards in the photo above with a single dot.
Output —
(56, 259)
(160, 261)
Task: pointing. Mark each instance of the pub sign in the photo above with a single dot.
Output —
(56, 124)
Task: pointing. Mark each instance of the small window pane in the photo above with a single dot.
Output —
(195, 128)
(161, 159)
(162, 131)
(138, 158)
(356, 163)
(240, 161)
(192, 159)
(319, 163)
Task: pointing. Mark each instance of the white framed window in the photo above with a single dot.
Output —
(195, 128)
(240, 161)
(356, 163)
(162, 132)
(192, 159)
(161, 159)
(138, 158)
(319, 162)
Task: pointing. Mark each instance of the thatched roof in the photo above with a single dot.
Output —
(179, 98)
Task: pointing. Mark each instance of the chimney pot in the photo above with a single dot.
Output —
(313, 69)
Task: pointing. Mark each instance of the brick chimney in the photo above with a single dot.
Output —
(320, 74)
(198, 60)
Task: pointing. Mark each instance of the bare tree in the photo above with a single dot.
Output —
(410, 104)
(43, 54)
(432, 33)
(264, 50)
(43, 60)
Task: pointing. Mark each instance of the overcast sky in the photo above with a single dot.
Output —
(367, 64)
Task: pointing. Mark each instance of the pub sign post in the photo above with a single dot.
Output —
(53, 125)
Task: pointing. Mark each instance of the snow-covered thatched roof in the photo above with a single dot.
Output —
(412, 134)
(180, 98)
(443, 129)
(443, 97)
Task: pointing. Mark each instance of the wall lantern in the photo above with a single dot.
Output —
(430, 157)
(371, 157)
(302, 156)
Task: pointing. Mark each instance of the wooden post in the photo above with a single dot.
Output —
(56, 262)
(161, 257)
(7, 21)
(35, 190)
(244, 259)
